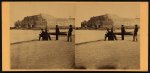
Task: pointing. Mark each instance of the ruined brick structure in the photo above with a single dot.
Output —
(108, 21)
(42, 21)
(35, 21)
(98, 22)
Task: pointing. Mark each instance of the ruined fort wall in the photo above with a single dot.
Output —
(40, 21)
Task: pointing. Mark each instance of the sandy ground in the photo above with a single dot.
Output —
(43, 54)
(108, 54)
(90, 52)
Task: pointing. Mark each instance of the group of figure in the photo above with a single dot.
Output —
(111, 36)
(46, 36)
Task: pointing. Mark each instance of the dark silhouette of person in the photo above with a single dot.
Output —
(135, 33)
(122, 32)
(42, 34)
(48, 37)
(57, 32)
(107, 35)
(112, 35)
(69, 36)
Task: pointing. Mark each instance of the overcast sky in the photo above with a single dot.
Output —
(81, 11)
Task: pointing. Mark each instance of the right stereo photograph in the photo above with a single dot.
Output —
(107, 36)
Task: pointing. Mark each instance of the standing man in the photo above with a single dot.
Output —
(122, 32)
(70, 33)
(57, 32)
(135, 33)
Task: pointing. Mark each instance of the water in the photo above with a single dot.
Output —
(92, 35)
(88, 35)
(26, 35)
(80, 35)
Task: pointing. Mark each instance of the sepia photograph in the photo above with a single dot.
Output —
(75, 36)
(107, 36)
(42, 35)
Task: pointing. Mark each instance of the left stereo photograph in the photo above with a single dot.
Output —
(41, 35)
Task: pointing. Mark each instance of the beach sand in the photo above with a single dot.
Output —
(108, 54)
(43, 54)
(96, 54)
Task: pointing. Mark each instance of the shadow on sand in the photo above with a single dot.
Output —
(24, 42)
(88, 42)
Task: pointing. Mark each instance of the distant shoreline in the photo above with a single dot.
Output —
(101, 28)
(65, 28)
(77, 28)
(32, 28)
